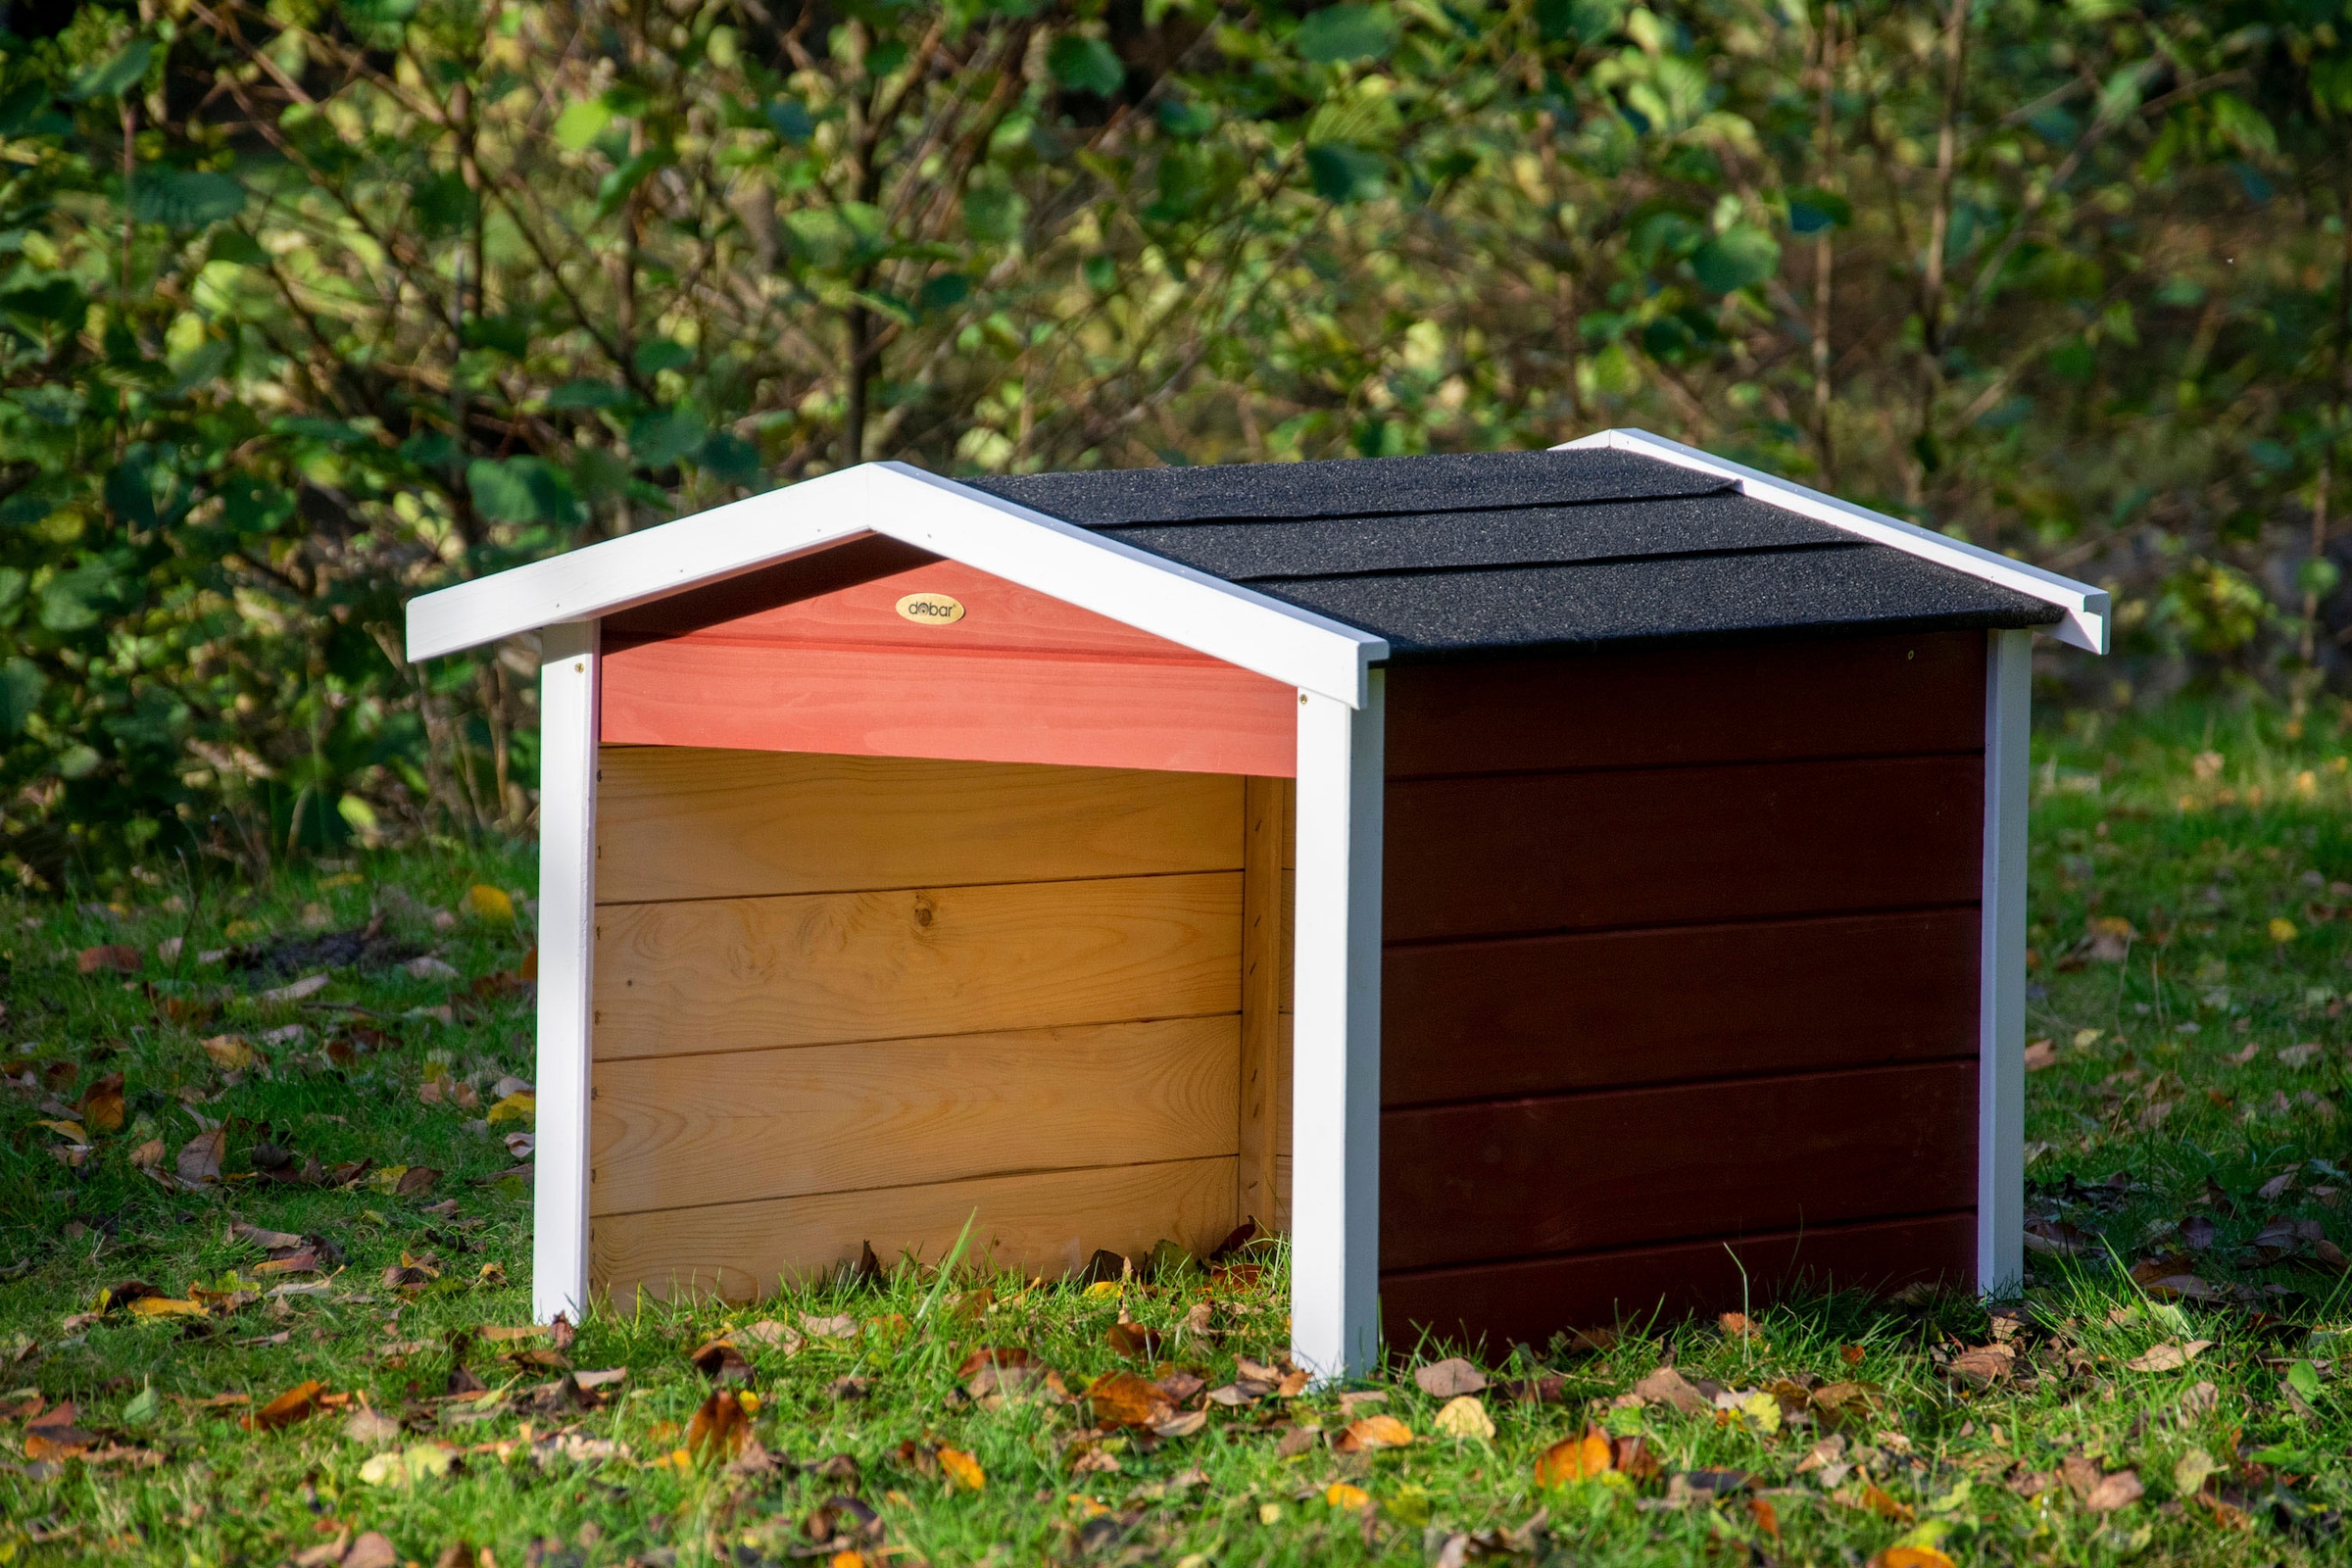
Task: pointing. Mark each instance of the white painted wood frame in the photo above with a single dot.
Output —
(567, 731)
(1152, 593)
(2002, 975)
(1334, 1053)
(2087, 609)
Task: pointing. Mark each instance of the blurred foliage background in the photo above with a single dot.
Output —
(309, 306)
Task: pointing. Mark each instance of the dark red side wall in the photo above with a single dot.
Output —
(1680, 952)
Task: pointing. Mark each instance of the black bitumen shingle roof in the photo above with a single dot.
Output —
(1492, 551)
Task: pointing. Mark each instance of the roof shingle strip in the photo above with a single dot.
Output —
(1256, 552)
(1349, 487)
(1671, 600)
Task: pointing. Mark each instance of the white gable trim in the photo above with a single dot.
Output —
(2087, 609)
(1212, 617)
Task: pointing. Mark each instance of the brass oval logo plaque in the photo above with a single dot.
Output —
(931, 610)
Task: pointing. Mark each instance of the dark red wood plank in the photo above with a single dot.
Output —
(1828, 697)
(1557, 852)
(1525, 1178)
(1528, 1301)
(1536, 1016)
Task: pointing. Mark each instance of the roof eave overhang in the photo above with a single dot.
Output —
(1189, 608)
(2086, 612)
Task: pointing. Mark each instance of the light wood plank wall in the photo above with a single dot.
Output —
(847, 999)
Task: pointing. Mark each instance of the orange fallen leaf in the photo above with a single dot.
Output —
(1375, 1432)
(1578, 1459)
(1885, 1507)
(102, 1104)
(718, 1428)
(962, 1470)
(1349, 1499)
(298, 1403)
(1767, 1518)
(1123, 1400)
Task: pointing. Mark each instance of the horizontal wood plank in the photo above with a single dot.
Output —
(1528, 1301)
(1833, 696)
(1539, 1015)
(1043, 1223)
(1531, 1177)
(985, 706)
(746, 974)
(694, 822)
(1556, 852)
(677, 1132)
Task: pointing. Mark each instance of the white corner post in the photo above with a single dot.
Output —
(1335, 1060)
(567, 729)
(2001, 974)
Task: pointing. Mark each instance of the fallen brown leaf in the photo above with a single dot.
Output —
(298, 1403)
(2040, 1053)
(2168, 1357)
(1984, 1365)
(1123, 1400)
(102, 1104)
(1450, 1379)
(722, 1362)
(2114, 1491)
(1670, 1388)
(113, 955)
(1885, 1507)
(201, 1155)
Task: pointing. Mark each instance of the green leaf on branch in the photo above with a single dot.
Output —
(659, 354)
(21, 686)
(1336, 34)
(1085, 64)
(581, 123)
(1344, 173)
(117, 75)
(1735, 259)
(613, 189)
(660, 438)
(524, 489)
(790, 120)
(1812, 211)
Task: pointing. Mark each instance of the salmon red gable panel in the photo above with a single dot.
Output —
(876, 648)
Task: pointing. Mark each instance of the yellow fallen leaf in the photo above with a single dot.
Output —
(2282, 930)
(962, 1470)
(1466, 1417)
(1102, 1287)
(1911, 1557)
(403, 1466)
(165, 1307)
(486, 903)
(68, 1129)
(520, 1107)
(230, 1053)
(387, 1179)
(1339, 1494)
(1375, 1432)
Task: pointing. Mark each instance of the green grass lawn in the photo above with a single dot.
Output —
(2169, 1390)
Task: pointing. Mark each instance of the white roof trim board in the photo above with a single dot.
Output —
(2089, 609)
(1087, 568)
(1263, 635)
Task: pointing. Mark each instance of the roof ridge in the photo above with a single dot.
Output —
(1723, 487)
(1719, 552)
